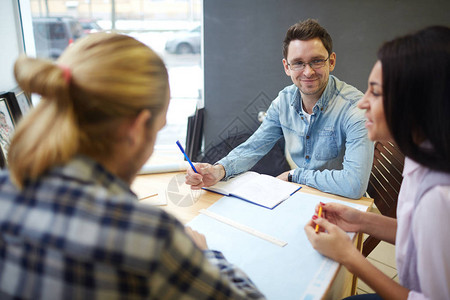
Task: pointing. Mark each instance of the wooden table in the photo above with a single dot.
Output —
(185, 204)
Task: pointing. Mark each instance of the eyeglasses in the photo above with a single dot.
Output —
(315, 64)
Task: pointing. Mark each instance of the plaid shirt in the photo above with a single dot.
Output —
(78, 233)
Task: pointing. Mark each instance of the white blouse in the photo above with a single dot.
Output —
(430, 223)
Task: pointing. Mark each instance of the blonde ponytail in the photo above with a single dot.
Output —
(97, 82)
(49, 135)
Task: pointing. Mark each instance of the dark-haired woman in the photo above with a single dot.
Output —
(407, 101)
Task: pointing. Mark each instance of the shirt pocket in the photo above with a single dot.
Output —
(326, 146)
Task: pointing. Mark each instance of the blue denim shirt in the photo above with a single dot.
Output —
(332, 152)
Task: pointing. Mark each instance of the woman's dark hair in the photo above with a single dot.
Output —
(416, 92)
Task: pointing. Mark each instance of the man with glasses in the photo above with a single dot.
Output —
(324, 131)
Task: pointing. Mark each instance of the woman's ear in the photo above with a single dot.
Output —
(418, 136)
(139, 126)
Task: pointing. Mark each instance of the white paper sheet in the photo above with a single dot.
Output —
(164, 168)
(295, 271)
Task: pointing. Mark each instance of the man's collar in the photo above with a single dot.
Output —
(85, 169)
(326, 96)
(324, 99)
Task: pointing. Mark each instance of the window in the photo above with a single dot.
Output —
(171, 28)
(50, 31)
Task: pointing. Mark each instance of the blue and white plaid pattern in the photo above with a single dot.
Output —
(78, 233)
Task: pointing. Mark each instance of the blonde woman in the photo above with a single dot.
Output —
(70, 226)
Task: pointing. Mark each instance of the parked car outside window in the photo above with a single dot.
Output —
(53, 34)
(90, 26)
(185, 42)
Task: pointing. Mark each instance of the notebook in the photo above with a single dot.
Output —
(260, 189)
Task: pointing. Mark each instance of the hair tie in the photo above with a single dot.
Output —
(67, 74)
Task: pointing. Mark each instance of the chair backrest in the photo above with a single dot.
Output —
(384, 183)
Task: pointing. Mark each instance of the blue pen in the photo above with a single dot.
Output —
(185, 155)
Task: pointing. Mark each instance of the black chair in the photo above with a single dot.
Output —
(273, 163)
(384, 184)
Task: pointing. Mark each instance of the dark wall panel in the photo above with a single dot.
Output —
(243, 71)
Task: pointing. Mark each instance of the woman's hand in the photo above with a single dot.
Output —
(330, 241)
(207, 175)
(347, 218)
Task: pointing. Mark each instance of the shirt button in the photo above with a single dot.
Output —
(307, 137)
(321, 108)
(307, 157)
(302, 118)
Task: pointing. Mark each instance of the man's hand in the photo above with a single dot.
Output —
(207, 175)
(198, 238)
(283, 176)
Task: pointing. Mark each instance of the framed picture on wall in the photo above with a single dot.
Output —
(2, 160)
(6, 128)
(13, 106)
(23, 100)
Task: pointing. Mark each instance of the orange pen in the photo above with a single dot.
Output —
(319, 215)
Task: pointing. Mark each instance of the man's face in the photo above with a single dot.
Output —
(311, 82)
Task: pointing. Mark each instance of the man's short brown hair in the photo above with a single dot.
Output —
(307, 30)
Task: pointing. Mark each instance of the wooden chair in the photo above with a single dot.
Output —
(384, 184)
